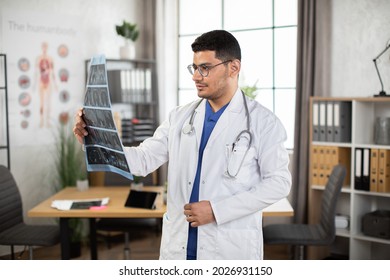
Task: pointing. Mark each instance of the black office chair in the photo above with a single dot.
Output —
(321, 234)
(13, 230)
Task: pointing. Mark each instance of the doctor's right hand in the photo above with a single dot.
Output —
(199, 213)
(79, 126)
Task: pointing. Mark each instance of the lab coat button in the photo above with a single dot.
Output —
(203, 182)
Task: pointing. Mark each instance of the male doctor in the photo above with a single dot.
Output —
(227, 161)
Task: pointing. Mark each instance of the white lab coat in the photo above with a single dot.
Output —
(237, 203)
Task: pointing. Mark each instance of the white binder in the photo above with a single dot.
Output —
(322, 121)
(316, 123)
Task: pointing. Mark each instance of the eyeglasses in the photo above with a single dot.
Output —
(203, 69)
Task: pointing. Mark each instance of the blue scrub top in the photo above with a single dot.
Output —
(210, 121)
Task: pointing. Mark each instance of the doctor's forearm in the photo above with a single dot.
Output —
(253, 200)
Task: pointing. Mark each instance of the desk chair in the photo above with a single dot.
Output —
(321, 234)
(13, 230)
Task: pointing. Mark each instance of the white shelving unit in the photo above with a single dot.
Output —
(354, 203)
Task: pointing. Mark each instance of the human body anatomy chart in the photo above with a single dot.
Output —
(103, 146)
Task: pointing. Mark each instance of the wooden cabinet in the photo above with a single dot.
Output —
(355, 200)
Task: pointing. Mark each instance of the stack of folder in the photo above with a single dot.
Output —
(362, 169)
(324, 158)
(127, 132)
(130, 85)
(136, 130)
(372, 170)
(332, 121)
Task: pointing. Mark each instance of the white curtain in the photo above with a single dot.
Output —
(167, 55)
(167, 61)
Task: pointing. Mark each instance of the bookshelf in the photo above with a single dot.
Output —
(354, 202)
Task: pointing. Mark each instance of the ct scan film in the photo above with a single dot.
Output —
(103, 146)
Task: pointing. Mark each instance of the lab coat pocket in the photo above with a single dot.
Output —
(166, 229)
(240, 162)
(236, 156)
(173, 239)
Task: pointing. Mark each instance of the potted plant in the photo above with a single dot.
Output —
(70, 167)
(137, 183)
(130, 34)
(70, 162)
(250, 91)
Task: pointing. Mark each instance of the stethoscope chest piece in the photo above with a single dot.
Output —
(188, 129)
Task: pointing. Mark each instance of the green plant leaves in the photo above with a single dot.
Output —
(70, 163)
(128, 31)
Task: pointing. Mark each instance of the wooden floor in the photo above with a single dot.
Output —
(145, 247)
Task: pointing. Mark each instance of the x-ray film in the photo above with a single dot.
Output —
(103, 146)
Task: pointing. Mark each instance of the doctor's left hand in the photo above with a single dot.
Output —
(199, 213)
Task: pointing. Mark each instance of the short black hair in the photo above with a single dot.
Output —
(224, 44)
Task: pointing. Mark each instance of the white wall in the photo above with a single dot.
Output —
(360, 31)
(32, 166)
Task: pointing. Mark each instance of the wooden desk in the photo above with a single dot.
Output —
(281, 208)
(115, 209)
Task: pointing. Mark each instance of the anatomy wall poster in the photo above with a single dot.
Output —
(45, 73)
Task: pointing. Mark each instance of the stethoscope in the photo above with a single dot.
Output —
(188, 129)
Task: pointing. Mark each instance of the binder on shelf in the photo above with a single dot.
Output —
(374, 162)
(148, 85)
(358, 168)
(322, 120)
(342, 155)
(384, 171)
(115, 85)
(366, 170)
(321, 166)
(327, 163)
(141, 85)
(324, 158)
(316, 124)
(314, 167)
(134, 86)
(329, 122)
(126, 86)
(342, 111)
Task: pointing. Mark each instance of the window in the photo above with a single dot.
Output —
(267, 33)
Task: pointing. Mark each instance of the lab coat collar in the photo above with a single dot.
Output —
(199, 120)
(237, 103)
(234, 108)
